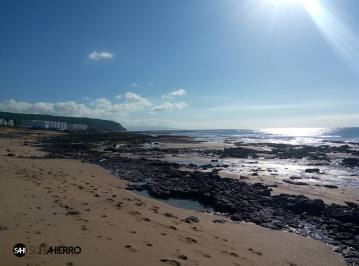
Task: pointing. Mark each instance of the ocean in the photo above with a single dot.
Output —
(309, 136)
(332, 174)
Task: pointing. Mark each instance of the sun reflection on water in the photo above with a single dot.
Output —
(296, 132)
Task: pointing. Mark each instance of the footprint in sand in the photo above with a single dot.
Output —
(191, 240)
(131, 248)
(230, 253)
(169, 215)
(182, 257)
(255, 252)
(170, 262)
(134, 213)
(148, 244)
(195, 228)
(172, 227)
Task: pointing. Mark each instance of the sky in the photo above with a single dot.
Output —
(185, 64)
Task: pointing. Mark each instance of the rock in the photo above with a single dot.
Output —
(330, 186)
(219, 221)
(295, 177)
(206, 166)
(300, 204)
(295, 183)
(191, 219)
(350, 162)
(342, 213)
(134, 186)
(237, 217)
(312, 170)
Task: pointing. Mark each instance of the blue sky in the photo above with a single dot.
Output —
(184, 64)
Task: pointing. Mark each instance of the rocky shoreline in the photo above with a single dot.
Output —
(334, 224)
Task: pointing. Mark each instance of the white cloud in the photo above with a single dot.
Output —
(97, 56)
(167, 106)
(135, 85)
(118, 97)
(99, 108)
(136, 102)
(173, 94)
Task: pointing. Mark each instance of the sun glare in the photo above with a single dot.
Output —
(309, 5)
(331, 24)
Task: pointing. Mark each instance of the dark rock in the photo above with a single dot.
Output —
(351, 162)
(206, 166)
(313, 170)
(219, 221)
(191, 219)
(295, 183)
(300, 204)
(330, 186)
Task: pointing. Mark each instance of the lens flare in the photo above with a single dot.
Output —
(331, 24)
(338, 34)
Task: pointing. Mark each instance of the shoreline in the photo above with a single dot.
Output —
(64, 178)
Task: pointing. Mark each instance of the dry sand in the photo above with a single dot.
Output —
(66, 202)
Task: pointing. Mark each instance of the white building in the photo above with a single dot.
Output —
(55, 125)
(11, 123)
(76, 127)
(3, 122)
(33, 123)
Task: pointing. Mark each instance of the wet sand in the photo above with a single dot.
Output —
(338, 195)
(66, 202)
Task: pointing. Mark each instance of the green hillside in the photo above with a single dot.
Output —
(93, 124)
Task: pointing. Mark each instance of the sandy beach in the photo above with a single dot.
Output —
(57, 202)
